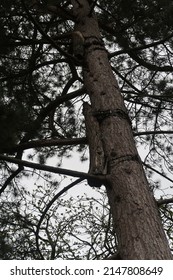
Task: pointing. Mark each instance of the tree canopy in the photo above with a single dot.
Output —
(41, 120)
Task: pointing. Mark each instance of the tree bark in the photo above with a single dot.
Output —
(136, 219)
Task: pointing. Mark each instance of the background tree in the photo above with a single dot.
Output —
(52, 59)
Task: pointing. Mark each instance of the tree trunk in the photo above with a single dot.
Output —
(136, 219)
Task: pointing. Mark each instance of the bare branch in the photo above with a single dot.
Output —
(46, 143)
(10, 178)
(48, 207)
(53, 169)
(153, 132)
(155, 170)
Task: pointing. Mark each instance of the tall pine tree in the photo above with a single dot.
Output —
(115, 59)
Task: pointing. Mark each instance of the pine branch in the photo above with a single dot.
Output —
(46, 143)
(44, 34)
(46, 110)
(142, 47)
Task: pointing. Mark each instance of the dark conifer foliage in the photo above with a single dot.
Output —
(42, 93)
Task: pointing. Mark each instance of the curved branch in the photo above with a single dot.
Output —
(10, 178)
(43, 33)
(123, 42)
(47, 208)
(149, 66)
(142, 47)
(46, 110)
(68, 85)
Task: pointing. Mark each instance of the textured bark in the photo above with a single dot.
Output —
(136, 219)
(98, 165)
(97, 158)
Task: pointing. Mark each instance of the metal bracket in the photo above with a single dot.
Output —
(116, 160)
(93, 40)
(101, 115)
